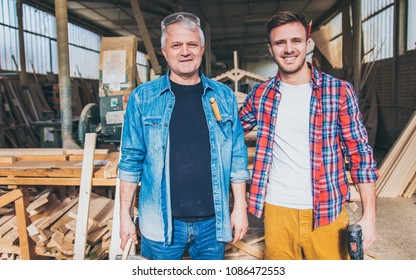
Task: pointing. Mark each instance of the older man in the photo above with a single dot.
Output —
(184, 155)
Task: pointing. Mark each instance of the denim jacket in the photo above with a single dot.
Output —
(145, 153)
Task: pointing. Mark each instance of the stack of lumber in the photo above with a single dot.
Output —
(52, 228)
(398, 169)
(53, 210)
(21, 107)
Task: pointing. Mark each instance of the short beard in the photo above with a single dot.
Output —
(281, 69)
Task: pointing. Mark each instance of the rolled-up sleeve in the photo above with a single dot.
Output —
(133, 149)
(239, 171)
(355, 139)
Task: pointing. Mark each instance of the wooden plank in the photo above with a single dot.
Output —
(405, 164)
(53, 203)
(84, 196)
(391, 158)
(41, 158)
(248, 249)
(10, 197)
(99, 182)
(7, 226)
(80, 158)
(7, 159)
(110, 169)
(40, 199)
(61, 224)
(100, 210)
(5, 219)
(32, 152)
(145, 36)
(10, 238)
(115, 227)
(58, 213)
(411, 188)
(27, 247)
(81, 152)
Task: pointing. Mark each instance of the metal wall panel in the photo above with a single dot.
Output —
(411, 26)
(40, 42)
(377, 25)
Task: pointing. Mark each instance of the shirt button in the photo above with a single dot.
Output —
(165, 124)
(170, 105)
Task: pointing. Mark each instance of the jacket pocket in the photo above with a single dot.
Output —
(153, 131)
(152, 121)
(226, 126)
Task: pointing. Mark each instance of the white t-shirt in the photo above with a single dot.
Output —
(290, 174)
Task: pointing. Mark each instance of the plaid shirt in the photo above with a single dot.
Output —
(336, 132)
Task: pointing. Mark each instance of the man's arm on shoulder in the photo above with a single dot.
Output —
(246, 113)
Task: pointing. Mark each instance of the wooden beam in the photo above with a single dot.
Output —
(10, 197)
(27, 247)
(84, 196)
(145, 36)
(115, 227)
(33, 181)
(248, 249)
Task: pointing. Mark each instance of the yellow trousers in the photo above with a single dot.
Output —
(289, 235)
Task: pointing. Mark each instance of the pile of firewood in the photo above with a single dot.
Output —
(53, 221)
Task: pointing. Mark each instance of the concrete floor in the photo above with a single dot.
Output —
(396, 228)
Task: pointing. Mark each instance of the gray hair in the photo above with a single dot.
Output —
(187, 24)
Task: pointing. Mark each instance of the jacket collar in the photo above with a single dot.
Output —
(166, 86)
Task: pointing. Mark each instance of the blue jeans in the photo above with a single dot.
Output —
(198, 237)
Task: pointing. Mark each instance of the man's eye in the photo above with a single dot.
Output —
(175, 46)
(193, 45)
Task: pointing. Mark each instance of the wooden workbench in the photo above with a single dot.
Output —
(22, 168)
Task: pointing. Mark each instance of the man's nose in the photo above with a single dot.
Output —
(289, 47)
(185, 49)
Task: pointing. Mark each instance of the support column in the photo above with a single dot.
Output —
(357, 44)
(208, 54)
(395, 69)
(22, 54)
(65, 93)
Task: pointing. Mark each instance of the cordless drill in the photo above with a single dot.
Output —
(355, 242)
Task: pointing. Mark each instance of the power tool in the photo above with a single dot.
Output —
(355, 242)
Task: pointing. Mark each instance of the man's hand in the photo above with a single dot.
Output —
(239, 220)
(239, 223)
(127, 230)
(368, 220)
(368, 231)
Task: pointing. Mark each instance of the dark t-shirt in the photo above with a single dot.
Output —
(190, 156)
